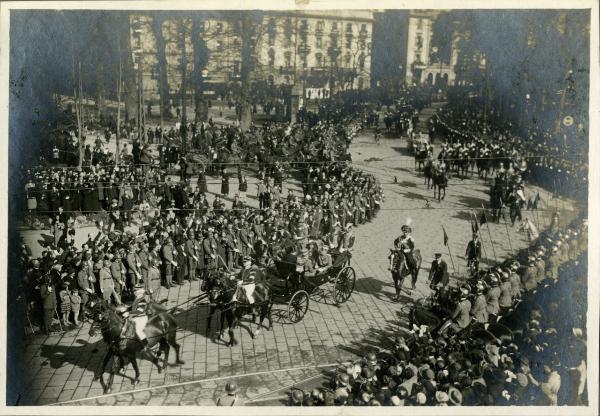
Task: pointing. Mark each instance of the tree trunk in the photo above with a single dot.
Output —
(100, 91)
(247, 66)
(201, 56)
(129, 77)
(163, 87)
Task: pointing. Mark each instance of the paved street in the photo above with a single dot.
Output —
(62, 365)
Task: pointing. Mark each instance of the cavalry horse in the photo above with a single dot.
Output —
(428, 171)
(440, 183)
(122, 341)
(221, 290)
(400, 269)
(420, 157)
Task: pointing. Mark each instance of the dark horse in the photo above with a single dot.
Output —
(160, 329)
(420, 157)
(221, 290)
(428, 171)
(400, 269)
(440, 182)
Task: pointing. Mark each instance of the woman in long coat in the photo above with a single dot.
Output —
(225, 184)
(202, 186)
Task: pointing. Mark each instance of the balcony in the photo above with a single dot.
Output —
(303, 49)
(287, 70)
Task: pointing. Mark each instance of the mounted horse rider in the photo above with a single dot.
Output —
(139, 312)
(406, 244)
(246, 280)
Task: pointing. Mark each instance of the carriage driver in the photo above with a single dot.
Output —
(247, 280)
(407, 244)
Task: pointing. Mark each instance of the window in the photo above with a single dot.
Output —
(363, 27)
(304, 25)
(319, 41)
(419, 42)
(271, 57)
(419, 23)
(418, 57)
(334, 41)
(362, 44)
(219, 28)
(287, 29)
(334, 26)
(361, 61)
(319, 59)
(320, 25)
(219, 46)
(287, 57)
(272, 31)
(304, 61)
(349, 41)
(348, 58)
(349, 27)
(361, 83)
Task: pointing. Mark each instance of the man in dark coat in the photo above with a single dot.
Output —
(438, 274)
(473, 252)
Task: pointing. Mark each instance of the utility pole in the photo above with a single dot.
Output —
(183, 129)
(119, 87)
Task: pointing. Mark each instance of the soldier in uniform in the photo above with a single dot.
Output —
(118, 272)
(529, 277)
(461, 316)
(107, 284)
(169, 263)
(492, 298)
(473, 253)
(479, 307)
(191, 251)
(407, 245)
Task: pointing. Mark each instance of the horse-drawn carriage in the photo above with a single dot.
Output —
(281, 282)
(292, 285)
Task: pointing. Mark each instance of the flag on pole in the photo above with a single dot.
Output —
(445, 237)
(483, 219)
(474, 224)
(535, 201)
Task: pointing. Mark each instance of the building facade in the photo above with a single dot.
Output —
(324, 50)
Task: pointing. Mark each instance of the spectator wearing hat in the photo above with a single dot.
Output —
(230, 398)
(505, 299)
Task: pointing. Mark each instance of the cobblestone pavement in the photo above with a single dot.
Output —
(61, 366)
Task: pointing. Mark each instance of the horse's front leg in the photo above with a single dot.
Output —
(133, 360)
(99, 376)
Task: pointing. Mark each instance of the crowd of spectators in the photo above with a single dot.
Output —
(552, 161)
(156, 231)
(521, 342)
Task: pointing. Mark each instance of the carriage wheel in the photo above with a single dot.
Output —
(297, 306)
(343, 286)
